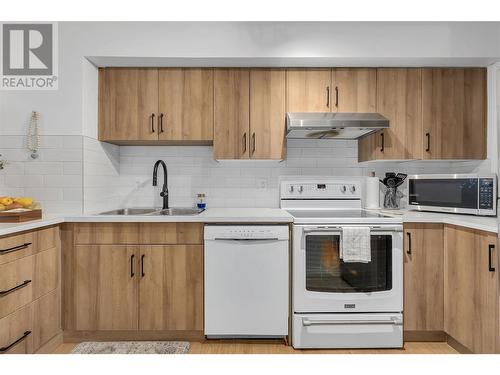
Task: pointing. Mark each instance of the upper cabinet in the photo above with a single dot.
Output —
(354, 90)
(186, 106)
(150, 105)
(231, 113)
(267, 114)
(327, 90)
(454, 113)
(433, 114)
(249, 114)
(128, 104)
(309, 90)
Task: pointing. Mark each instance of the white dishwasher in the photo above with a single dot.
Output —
(246, 281)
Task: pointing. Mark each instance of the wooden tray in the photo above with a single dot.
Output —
(19, 217)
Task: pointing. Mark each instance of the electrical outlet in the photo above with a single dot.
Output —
(262, 183)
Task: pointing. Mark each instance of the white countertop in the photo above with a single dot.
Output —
(251, 215)
(488, 224)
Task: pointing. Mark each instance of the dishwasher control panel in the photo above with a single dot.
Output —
(246, 232)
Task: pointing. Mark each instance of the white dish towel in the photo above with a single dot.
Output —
(355, 246)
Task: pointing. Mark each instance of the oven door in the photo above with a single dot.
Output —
(322, 282)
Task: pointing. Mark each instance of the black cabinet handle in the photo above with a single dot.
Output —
(5, 348)
(428, 136)
(245, 142)
(382, 142)
(490, 258)
(253, 143)
(328, 96)
(152, 123)
(161, 123)
(336, 96)
(15, 248)
(132, 274)
(408, 251)
(142, 265)
(17, 287)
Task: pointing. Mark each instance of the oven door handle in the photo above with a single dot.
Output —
(373, 228)
(312, 322)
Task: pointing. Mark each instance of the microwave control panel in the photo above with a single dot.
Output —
(486, 193)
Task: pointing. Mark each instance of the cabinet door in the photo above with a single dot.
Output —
(399, 98)
(186, 104)
(486, 318)
(46, 318)
(105, 287)
(171, 288)
(267, 114)
(471, 289)
(354, 90)
(423, 277)
(454, 113)
(128, 103)
(308, 90)
(231, 113)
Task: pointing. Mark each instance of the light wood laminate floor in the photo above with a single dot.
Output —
(277, 347)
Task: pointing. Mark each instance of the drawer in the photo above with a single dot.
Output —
(46, 238)
(46, 272)
(171, 233)
(16, 246)
(16, 285)
(16, 332)
(106, 233)
(46, 318)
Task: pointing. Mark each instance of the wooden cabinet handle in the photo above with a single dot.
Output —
(490, 258)
(15, 248)
(5, 348)
(408, 250)
(152, 123)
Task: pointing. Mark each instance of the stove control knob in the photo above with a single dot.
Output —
(301, 189)
(343, 189)
(353, 189)
(290, 188)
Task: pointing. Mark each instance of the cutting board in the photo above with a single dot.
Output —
(16, 216)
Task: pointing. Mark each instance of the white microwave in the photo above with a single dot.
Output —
(454, 193)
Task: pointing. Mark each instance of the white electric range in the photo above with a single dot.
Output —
(338, 304)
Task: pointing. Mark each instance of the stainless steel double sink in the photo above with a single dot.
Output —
(176, 211)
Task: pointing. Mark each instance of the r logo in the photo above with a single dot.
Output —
(27, 49)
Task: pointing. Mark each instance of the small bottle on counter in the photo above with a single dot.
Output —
(201, 204)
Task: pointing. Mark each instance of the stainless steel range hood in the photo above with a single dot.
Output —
(326, 125)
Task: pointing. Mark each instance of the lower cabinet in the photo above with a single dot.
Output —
(423, 281)
(471, 288)
(151, 288)
(171, 288)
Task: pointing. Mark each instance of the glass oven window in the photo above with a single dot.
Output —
(326, 272)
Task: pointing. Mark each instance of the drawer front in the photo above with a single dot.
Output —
(16, 332)
(47, 318)
(46, 272)
(171, 233)
(46, 238)
(106, 233)
(16, 285)
(16, 246)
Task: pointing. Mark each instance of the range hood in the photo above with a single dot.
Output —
(326, 125)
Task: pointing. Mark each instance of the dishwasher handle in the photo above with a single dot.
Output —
(246, 239)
